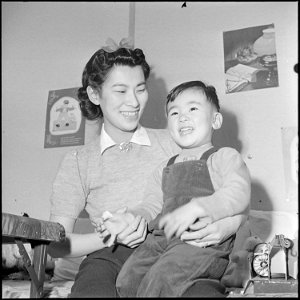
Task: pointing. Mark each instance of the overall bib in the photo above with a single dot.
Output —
(161, 268)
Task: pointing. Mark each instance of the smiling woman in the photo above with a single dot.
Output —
(111, 172)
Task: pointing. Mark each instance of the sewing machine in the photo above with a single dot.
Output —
(262, 281)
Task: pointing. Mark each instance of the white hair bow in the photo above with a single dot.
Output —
(113, 46)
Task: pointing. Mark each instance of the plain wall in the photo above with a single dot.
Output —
(45, 46)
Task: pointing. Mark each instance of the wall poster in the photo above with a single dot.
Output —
(65, 125)
(250, 59)
(290, 153)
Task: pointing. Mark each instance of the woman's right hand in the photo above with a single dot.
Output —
(134, 234)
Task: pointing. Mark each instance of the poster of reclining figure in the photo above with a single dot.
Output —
(65, 125)
(250, 59)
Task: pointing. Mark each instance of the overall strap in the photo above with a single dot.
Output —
(171, 160)
(206, 154)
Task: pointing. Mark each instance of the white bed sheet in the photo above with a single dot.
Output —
(21, 289)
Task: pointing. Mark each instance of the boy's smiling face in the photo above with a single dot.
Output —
(192, 118)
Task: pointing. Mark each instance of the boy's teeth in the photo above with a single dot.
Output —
(186, 129)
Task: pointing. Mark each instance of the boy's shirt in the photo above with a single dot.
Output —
(231, 181)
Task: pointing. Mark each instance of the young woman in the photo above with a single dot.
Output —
(110, 173)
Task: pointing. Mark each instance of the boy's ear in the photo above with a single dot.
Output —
(218, 120)
(93, 96)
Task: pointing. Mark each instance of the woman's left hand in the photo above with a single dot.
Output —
(203, 234)
(134, 234)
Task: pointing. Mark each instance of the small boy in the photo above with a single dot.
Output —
(202, 183)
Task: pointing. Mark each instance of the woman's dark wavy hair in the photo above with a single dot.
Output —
(208, 90)
(97, 69)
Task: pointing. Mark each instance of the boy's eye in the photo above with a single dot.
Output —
(194, 108)
(121, 91)
(141, 90)
(174, 113)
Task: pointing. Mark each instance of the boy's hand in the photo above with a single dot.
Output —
(179, 220)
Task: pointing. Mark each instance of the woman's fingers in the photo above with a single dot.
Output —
(138, 241)
(131, 228)
(135, 234)
(194, 235)
(198, 225)
(121, 210)
(202, 243)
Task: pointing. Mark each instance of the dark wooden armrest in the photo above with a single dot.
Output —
(39, 233)
(32, 229)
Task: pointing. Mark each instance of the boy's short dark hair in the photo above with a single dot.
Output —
(209, 91)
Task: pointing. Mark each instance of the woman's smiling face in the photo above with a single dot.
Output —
(190, 118)
(122, 98)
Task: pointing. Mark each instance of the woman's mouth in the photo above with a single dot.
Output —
(130, 114)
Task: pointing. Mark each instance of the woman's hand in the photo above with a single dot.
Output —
(134, 234)
(203, 235)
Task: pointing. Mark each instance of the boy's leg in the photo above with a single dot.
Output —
(138, 264)
(98, 272)
(180, 266)
(206, 288)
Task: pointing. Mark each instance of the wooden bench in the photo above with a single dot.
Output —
(39, 233)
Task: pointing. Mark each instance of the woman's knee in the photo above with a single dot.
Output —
(96, 277)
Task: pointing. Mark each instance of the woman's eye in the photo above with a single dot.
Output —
(194, 108)
(141, 90)
(174, 113)
(121, 91)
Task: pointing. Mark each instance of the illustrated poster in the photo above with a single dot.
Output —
(65, 125)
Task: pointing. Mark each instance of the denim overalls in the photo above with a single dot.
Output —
(161, 268)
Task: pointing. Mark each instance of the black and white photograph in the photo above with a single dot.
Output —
(149, 149)
(250, 58)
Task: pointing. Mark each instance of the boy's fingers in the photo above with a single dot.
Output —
(180, 230)
(163, 221)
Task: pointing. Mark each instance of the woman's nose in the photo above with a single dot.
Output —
(132, 99)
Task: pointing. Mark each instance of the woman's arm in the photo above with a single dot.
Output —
(151, 204)
(75, 244)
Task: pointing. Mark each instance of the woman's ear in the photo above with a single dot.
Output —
(93, 96)
(218, 120)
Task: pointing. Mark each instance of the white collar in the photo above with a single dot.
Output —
(140, 137)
